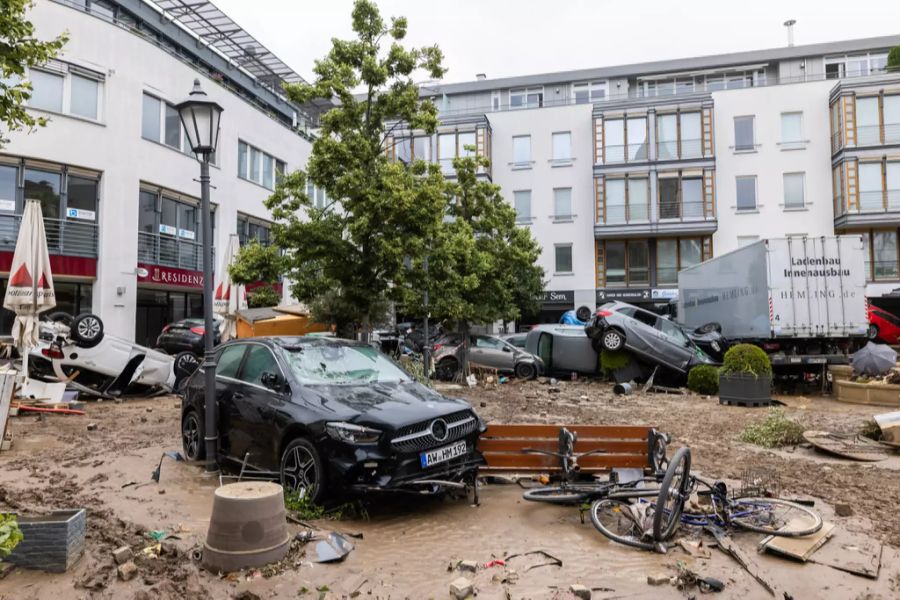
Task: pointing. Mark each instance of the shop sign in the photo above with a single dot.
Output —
(186, 233)
(78, 213)
(665, 294)
(554, 297)
(167, 229)
(624, 294)
(169, 276)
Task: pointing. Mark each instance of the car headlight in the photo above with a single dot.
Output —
(352, 434)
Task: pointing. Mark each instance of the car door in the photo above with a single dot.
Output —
(492, 353)
(258, 405)
(675, 347)
(642, 335)
(228, 365)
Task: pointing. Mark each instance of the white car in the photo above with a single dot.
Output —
(76, 350)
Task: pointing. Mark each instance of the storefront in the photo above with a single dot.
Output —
(165, 295)
(553, 304)
(659, 300)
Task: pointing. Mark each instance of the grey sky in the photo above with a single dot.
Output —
(502, 38)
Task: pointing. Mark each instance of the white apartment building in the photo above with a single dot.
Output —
(117, 184)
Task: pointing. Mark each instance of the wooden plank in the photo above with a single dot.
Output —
(537, 461)
(852, 553)
(727, 545)
(799, 548)
(514, 445)
(539, 431)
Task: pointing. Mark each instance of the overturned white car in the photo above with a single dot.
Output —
(77, 351)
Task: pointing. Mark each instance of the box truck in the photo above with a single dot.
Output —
(801, 299)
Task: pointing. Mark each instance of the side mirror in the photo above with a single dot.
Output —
(273, 381)
(506, 349)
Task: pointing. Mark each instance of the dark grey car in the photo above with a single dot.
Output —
(484, 351)
(655, 339)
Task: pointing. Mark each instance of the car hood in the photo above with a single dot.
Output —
(383, 405)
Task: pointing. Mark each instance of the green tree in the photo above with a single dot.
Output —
(893, 59)
(482, 267)
(346, 260)
(258, 263)
(19, 49)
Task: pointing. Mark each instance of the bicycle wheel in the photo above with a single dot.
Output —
(774, 517)
(565, 494)
(619, 521)
(672, 495)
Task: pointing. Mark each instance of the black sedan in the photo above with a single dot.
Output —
(184, 335)
(329, 416)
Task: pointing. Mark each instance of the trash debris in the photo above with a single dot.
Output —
(461, 588)
(623, 389)
(726, 545)
(553, 561)
(176, 456)
(850, 445)
(687, 579)
(334, 548)
(152, 551)
(495, 563)
(659, 579)
(852, 553)
(843, 510)
(890, 426)
(467, 565)
(122, 555)
(580, 591)
(127, 571)
(471, 380)
(695, 549)
(91, 426)
(799, 548)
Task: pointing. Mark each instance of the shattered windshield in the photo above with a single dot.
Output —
(316, 364)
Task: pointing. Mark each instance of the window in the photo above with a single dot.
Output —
(674, 254)
(743, 133)
(870, 187)
(522, 150)
(526, 98)
(584, 93)
(173, 127)
(84, 100)
(46, 90)
(250, 229)
(150, 124)
(615, 208)
(615, 263)
(482, 341)
(626, 200)
(637, 138)
(614, 140)
(403, 149)
(793, 190)
(884, 254)
(691, 135)
(421, 147)
(317, 195)
(638, 262)
(230, 360)
(259, 361)
(8, 184)
(81, 199)
(564, 258)
(562, 204)
(746, 192)
(668, 198)
(892, 180)
(746, 240)
(792, 130)
(673, 332)
(446, 150)
(465, 144)
(562, 146)
(259, 167)
(638, 199)
(690, 252)
(692, 203)
(169, 230)
(625, 263)
(44, 186)
(667, 136)
(868, 129)
(522, 200)
(854, 66)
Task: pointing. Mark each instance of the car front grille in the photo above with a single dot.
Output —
(418, 437)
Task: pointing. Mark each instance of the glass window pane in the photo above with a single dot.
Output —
(791, 127)
(615, 263)
(562, 146)
(268, 171)
(637, 138)
(150, 129)
(230, 360)
(870, 188)
(259, 360)
(8, 188)
(638, 199)
(522, 201)
(81, 201)
(173, 127)
(746, 193)
(562, 202)
(255, 158)
(692, 198)
(467, 144)
(563, 259)
(85, 94)
(422, 148)
(522, 149)
(667, 132)
(598, 91)
(403, 149)
(614, 140)
(638, 262)
(691, 252)
(580, 92)
(446, 150)
(893, 185)
(147, 213)
(242, 159)
(884, 248)
(169, 216)
(43, 186)
(691, 135)
(867, 123)
(891, 119)
(615, 200)
(47, 90)
(743, 133)
(666, 261)
(668, 198)
(793, 190)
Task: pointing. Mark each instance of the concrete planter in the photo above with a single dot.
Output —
(881, 394)
(51, 542)
(745, 390)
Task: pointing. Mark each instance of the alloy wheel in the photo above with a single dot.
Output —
(89, 328)
(190, 436)
(298, 471)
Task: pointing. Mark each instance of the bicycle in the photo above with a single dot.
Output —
(648, 525)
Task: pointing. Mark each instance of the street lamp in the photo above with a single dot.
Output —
(200, 117)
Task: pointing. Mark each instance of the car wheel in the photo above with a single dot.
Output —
(87, 330)
(526, 371)
(709, 328)
(60, 317)
(583, 314)
(612, 340)
(301, 470)
(446, 369)
(872, 332)
(192, 436)
(186, 363)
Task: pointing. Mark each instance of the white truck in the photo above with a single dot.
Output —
(802, 300)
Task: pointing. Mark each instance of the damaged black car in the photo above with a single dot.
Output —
(330, 416)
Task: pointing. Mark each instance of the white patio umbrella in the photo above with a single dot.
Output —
(30, 288)
(229, 297)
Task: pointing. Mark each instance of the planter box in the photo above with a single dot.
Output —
(745, 390)
(51, 542)
(882, 394)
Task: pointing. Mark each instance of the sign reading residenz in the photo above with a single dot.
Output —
(169, 276)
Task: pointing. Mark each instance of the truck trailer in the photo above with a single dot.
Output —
(803, 300)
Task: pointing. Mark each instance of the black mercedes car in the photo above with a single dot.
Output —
(327, 415)
(184, 335)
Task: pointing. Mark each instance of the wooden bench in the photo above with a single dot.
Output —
(622, 446)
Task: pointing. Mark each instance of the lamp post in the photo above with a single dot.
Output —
(200, 117)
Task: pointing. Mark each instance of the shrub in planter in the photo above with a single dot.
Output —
(704, 379)
(745, 377)
(10, 534)
(612, 361)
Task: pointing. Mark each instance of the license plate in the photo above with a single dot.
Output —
(818, 360)
(439, 455)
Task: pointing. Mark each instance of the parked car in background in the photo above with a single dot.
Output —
(185, 335)
(516, 339)
(654, 339)
(484, 351)
(883, 325)
(327, 415)
(563, 349)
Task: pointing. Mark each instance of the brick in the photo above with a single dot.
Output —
(580, 591)
(127, 571)
(461, 588)
(122, 555)
(467, 565)
(658, 579)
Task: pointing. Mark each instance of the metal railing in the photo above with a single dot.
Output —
(64, 237)
(676, 210)
(836, 142)
(672, 150)
(629, 153)
(622, 214)
(877, 201)
(170, 251)
(874, 135)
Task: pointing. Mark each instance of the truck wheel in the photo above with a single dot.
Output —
(612, 340)
(87, 330)
(872, 332)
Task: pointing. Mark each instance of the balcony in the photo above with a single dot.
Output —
(874, 208)
(169, 251)
(876, 135)
(669, 218)
(626, 154)
(685, 150)
(64, 237)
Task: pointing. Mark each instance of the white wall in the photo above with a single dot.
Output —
(114, 146)
(770, 161)
(542, 178)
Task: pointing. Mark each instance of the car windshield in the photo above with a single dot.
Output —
(329, 364)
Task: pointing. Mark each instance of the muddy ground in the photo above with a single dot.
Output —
(407, 544)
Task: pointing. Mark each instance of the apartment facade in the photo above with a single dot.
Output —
(112, 170)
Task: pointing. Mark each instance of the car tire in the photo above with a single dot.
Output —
(872, 332)
(301, 462)
(185, 363)
(87, 330)
(612, 340)
(60, 317)
(711, 327)
(583, 314)
(446, 369)
(526, 371)
(192, 436)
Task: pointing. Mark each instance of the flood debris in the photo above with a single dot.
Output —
(127, 571)
(334, 548)
(580, 591)
(551, 561)
(461, 588)
(798, 548)
(727, 545)
(687, 579)
(467, 565)
(122, 555)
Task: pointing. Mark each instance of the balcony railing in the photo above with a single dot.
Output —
(64, 237)
(875, 135)
(669, 149)
(169, 251)
(680, 211)
(878, 201)
(629, 153)
(621, 214)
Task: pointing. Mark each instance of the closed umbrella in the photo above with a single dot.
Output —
(30, 288)
(229, 297)
(874, 360)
